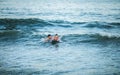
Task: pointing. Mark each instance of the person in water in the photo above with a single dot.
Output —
(49, 38)
(55, 39)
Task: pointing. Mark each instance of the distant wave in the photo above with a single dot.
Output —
(17, 27)
(102, 25)
(12, 23)
(94, 24)
(8, 23)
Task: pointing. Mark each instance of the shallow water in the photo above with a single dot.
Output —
(89, 34)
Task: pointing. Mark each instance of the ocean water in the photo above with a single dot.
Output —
(89, 32)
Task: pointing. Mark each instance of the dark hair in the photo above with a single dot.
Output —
(49, 35)
(56, 34)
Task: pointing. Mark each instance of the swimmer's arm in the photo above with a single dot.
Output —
(46, 40)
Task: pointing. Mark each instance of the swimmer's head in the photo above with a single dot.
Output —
(56, 34)
(48, 35)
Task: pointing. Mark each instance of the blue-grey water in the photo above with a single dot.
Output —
(89, 31)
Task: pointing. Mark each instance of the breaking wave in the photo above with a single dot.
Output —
(25, 28)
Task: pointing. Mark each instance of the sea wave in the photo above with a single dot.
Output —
(93, 37)
(9, 23)
(36, 28)
(41, 23)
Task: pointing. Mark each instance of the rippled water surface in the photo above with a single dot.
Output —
(89, 34)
